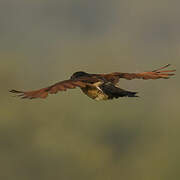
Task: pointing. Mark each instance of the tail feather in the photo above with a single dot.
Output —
(115, 92)
(124, 93)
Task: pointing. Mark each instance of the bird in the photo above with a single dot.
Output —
(97, 86)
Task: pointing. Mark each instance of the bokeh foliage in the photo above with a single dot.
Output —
(69, 136)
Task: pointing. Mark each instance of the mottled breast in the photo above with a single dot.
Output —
(95, 93)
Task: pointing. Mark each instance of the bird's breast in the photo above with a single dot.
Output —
(94, 93)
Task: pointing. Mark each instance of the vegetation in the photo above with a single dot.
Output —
(69, 136)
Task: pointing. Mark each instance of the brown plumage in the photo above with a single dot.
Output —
(97, 86)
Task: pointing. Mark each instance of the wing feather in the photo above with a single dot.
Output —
(43, 93)
(155, 74)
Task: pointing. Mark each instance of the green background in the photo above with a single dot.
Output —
(69, 136)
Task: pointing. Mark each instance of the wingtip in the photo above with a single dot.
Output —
(15, 91)
(173, 70)
(164, 67)
(167, 65)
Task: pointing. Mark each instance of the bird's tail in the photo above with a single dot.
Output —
(115, 92)
(124, 93)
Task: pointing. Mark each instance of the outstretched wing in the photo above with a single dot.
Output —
(43, 93)
(156, 74)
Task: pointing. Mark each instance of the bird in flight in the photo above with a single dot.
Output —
(97, 86)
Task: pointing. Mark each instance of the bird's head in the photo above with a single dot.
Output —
(79, 74)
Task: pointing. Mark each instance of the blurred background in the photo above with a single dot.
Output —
(69, 136)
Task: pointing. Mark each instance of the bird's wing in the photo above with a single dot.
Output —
(156, 74)
(60, 86)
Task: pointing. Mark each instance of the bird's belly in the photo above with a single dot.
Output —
(95, 94)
